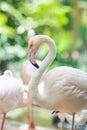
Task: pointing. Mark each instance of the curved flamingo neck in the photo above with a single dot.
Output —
(33, 85)
(50, 57)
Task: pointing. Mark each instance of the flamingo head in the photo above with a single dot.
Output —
(8, 73)
(33, 46)
(31, 33)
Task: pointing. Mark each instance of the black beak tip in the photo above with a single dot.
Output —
(36, 65)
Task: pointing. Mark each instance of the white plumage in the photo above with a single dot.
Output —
(12, 94)
(65, 88)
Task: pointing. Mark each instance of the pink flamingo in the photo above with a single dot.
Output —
(12, 94)
(65, 88)
(26, 72)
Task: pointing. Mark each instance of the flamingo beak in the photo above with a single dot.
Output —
(32, 58)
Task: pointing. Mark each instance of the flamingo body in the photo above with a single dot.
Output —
(12, 94)
(26, 72)
(70, 88)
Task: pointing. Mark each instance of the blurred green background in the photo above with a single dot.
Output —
(63, 20)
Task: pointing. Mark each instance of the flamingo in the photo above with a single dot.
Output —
(26, 73)
(12, 95)
(65, 88)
